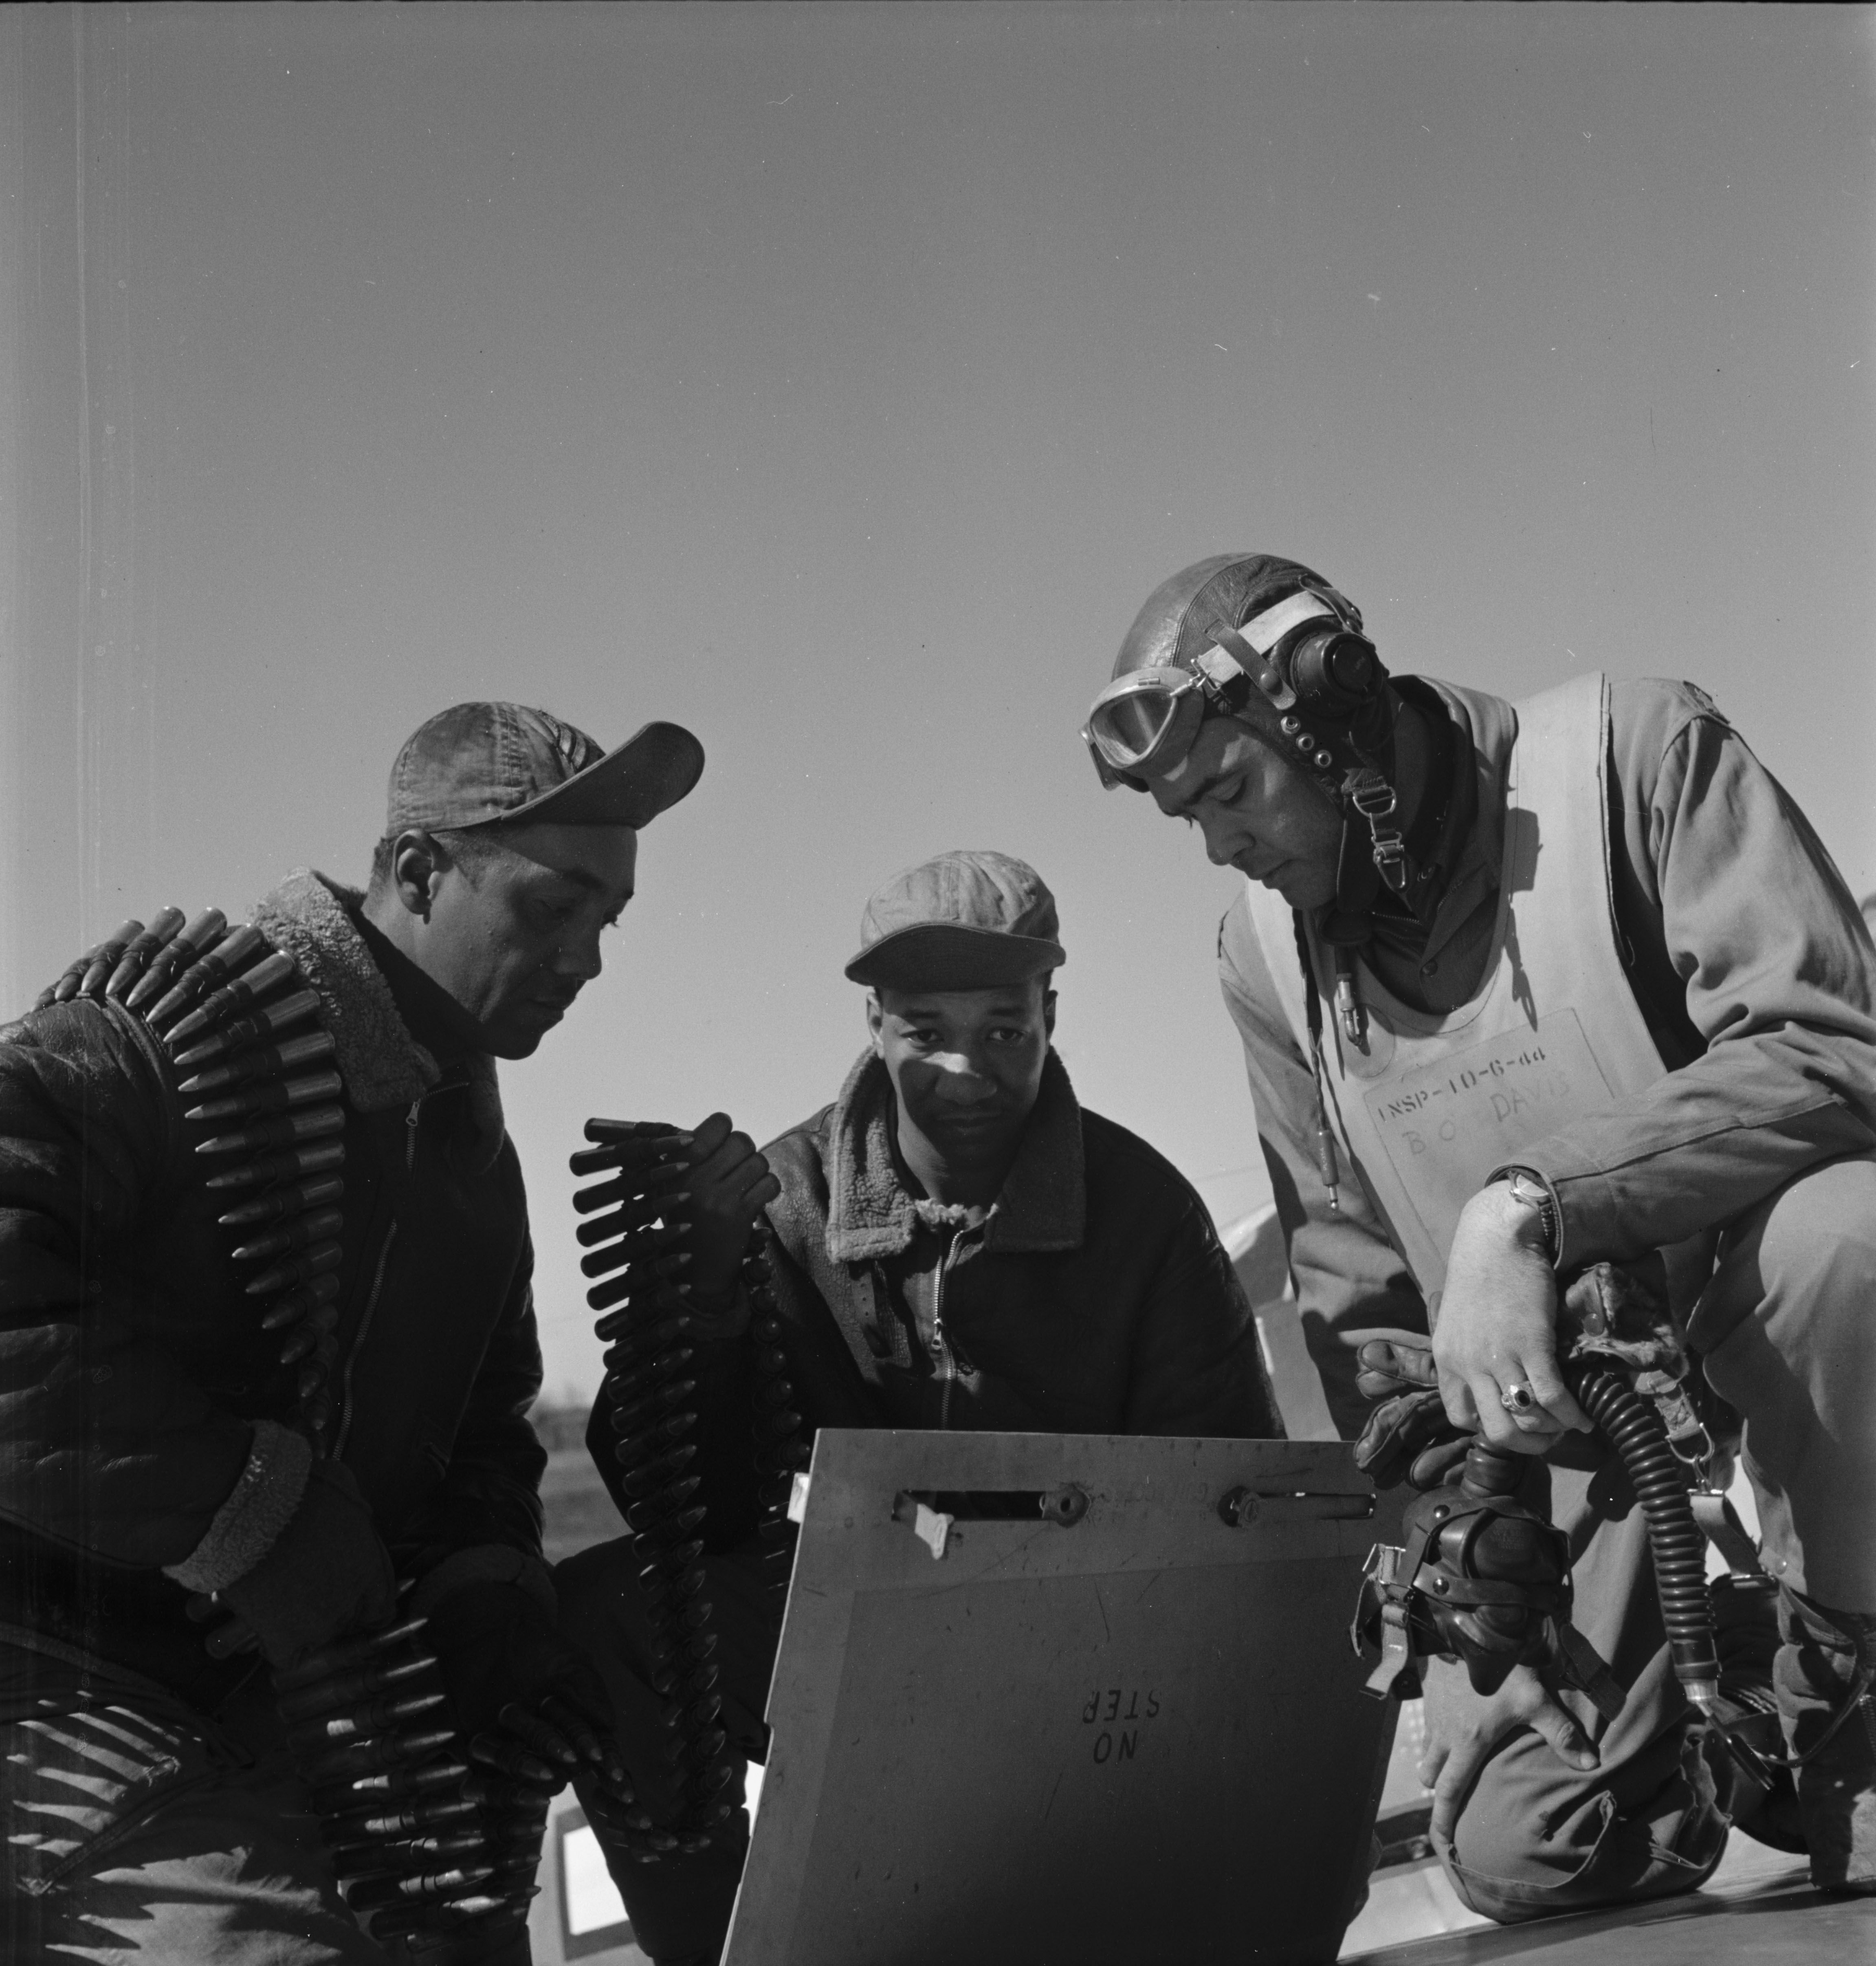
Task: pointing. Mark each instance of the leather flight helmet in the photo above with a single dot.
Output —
(1263, 639)
(1270, 643)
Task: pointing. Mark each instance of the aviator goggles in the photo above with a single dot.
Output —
(1143, 723)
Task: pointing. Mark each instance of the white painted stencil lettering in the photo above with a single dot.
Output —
(1446, 1125)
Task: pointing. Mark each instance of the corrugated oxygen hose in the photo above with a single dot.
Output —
(1634, 1430)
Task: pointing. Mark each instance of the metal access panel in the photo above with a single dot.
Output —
(1118, 1723)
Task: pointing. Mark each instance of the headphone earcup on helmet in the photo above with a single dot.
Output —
(1334, 672)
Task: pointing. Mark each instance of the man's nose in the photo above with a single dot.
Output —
(961, 1081)
(1220, 842)
(580, 958)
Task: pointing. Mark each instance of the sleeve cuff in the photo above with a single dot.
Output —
(719, 1322)
(259, 1508)
(486, 1563)
(1549, 1215)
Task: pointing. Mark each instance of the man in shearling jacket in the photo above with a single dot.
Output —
(267, 1348)
(957, 1243)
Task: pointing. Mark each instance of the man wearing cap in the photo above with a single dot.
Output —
(957, 1243)
(1523, 990)
(267, 1348)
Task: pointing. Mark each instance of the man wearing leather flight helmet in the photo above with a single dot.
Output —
(1522, 989)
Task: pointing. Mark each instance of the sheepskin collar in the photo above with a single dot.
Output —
(1044, 1203)
(382, 1065)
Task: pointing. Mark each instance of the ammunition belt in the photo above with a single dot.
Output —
(646, 1321)
(417, 1846)
(263, 1105)
(420, 1845)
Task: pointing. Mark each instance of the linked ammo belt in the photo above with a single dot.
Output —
(419, 1844)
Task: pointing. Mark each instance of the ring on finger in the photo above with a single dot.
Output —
(1517, 1397)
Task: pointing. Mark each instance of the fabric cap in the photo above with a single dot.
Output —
(964, 921)
(482, 761)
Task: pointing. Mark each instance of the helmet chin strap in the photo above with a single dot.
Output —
(1373, 857)
(1336, 715)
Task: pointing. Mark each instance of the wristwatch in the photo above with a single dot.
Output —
(1531, 1189)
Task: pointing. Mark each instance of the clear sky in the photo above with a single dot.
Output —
(839, 381)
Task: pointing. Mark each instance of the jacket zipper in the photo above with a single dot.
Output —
(947, 1365)
(378, 1285)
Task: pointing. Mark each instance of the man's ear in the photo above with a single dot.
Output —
(1048, 1013)
(418, 863)
(876, 1022)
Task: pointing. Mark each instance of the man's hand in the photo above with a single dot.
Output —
(728, 1186)
(327, 1576)
(1497, 1327)
(1408, 1437)
(528, 1703)
(624, 1830)
(1464, 1727)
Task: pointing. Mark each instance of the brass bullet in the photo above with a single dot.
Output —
(261, 1061)
(379, 1751)
(667, 1534)
(184, 949)
(280, 1201)
(404, 1920)
(245, 1030)
(393, 1782)
(628, 1419)
(642, 1446)
(221, 962)
(643, 1480)
(373, 1892)
(648, 1513)
(369, 1807)
(137, 958)
(322, 1256)
(363, 1859)
(306, 1299)
(315, 1123)
(271, 1167)
(105, 958)
(67, 986)
(305, 1339)
(336, 1658)
(627, 1388)
(246, 988)
(357, 1722)
(343, 1689)
(272, 1095)
(777, 1426)
(303, 1230)
(602, 1297)
(640, 1340)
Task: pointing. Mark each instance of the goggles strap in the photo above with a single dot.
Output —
(1264, 631)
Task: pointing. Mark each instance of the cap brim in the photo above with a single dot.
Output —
(648, 773)
(947, 956)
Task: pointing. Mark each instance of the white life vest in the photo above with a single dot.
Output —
(1435, 1103)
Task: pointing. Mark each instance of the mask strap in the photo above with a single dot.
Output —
(1328, 1166)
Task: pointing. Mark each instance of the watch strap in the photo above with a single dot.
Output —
(1529, 1187)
